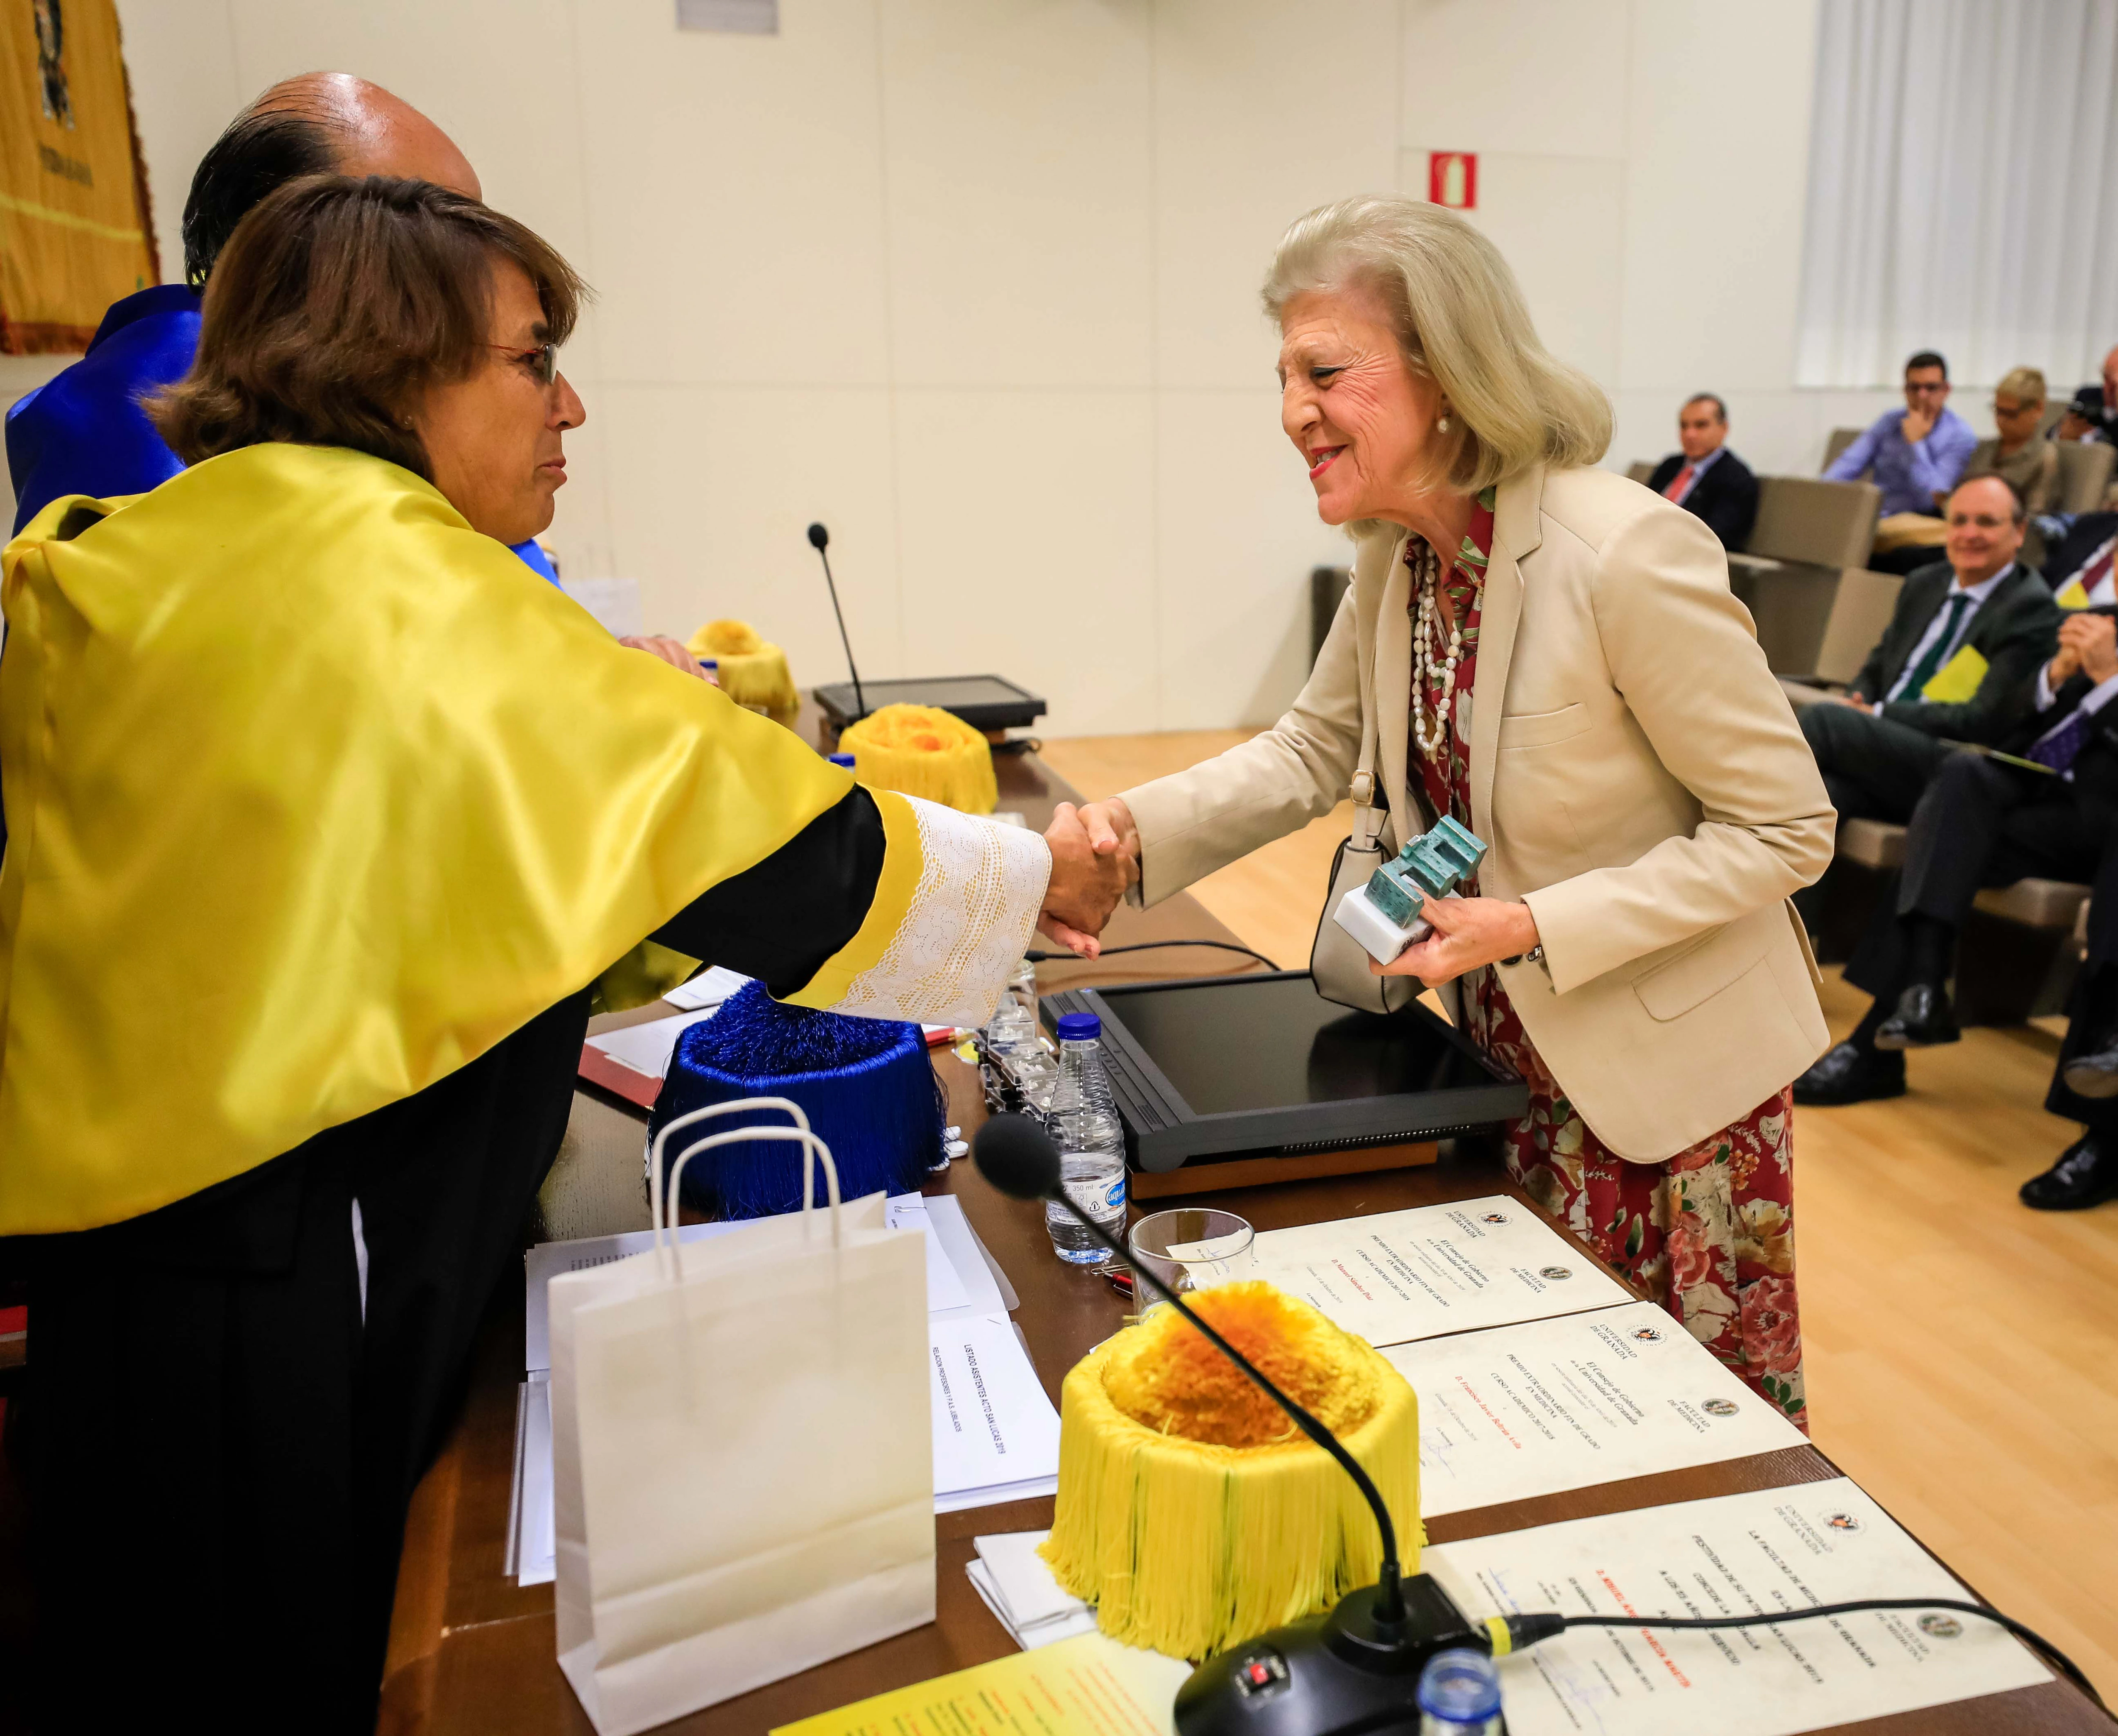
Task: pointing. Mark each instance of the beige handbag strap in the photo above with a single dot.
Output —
(1367, 817)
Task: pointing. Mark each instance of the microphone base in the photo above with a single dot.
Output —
(1344, 1672)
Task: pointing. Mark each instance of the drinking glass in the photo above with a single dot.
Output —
(1193, 1248)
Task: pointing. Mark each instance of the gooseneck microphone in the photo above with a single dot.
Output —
(820, 539)
(1350, 1673)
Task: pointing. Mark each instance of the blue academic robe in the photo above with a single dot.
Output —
(83, 432)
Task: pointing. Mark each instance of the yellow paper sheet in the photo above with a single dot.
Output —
(1088, 1686)
(1956, 680)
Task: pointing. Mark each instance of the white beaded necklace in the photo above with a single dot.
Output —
(1428, 576)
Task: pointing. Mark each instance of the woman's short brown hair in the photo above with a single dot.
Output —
(336, 304)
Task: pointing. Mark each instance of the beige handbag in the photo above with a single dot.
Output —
(1338, 963)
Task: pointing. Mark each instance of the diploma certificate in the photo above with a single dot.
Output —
(1434, 1269)
(1556, 1404)
(1782, 1548)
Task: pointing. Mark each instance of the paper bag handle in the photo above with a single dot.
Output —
(813, 1150)
(658, 1198)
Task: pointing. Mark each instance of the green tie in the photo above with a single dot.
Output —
(1959, 604)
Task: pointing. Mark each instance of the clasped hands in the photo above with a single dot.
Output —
(1095, 859)
(2089, 646)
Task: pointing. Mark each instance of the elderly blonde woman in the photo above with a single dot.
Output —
(1550, 654)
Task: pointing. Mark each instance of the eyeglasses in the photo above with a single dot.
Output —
(542, 361)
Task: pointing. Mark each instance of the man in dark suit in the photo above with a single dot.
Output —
(1957, 662)
(1986, 822)
(1706, 477)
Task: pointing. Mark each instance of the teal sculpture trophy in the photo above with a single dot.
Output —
(1384, 915)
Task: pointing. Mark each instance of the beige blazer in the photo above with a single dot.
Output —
(1637, 772)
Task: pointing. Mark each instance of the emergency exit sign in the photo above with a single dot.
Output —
(1452, 179)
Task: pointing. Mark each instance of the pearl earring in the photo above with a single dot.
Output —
(1442, 426)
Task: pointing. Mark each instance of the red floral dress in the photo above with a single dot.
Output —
(1710, 1233)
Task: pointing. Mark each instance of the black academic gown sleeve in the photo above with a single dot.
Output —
(782, 919)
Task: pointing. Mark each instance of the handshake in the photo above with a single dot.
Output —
(1095, 860)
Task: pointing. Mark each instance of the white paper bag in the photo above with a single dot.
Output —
(742, 1456)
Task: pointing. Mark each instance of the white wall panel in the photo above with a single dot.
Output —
(1018, 183)
(1235, 535)
(1560, 223)
(1240, 150)
(180, 56)
(737, 214)
(712, 491)
(1716, 163)
(1028, 547)
(975, 281)
(1540, 77)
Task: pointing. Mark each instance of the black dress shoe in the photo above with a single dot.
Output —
(1922, 1019)
(2094, 1075)
(1850, 1075)
(2085, 1175)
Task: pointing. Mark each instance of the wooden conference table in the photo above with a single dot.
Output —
(471, 1651)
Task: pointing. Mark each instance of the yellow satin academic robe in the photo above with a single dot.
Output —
(314, 793)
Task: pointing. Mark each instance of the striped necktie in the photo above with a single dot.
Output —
(1959, 604)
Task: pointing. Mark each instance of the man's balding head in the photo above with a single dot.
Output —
(316, 123)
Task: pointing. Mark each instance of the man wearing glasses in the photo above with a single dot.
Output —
(1917, 452)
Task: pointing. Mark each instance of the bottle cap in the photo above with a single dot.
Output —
(1459, 1686)
(1079, 1027)
(845, 760)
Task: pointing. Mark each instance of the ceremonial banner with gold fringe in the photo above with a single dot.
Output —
(314, 794)
(76, 234)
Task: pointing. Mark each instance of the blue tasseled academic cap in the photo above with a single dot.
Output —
(866, 1086)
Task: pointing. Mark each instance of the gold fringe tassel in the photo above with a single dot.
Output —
(1189, 1548)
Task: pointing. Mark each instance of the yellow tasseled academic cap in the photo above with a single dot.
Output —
(921, 751)
(752, 670)
(1192, 1513)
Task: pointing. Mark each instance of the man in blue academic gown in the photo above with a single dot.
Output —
(83, 432)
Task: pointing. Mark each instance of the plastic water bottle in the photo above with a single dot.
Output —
(1459, 1695)
(1014, 1022)
(1083, 1123)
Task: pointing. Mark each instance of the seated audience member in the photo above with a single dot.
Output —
(2019, 452)
(1983, 822)
(1958, 661)
(2084, 1086)
(2093, 414)
(2079, 571)
(1705, 477)
(1917, 452)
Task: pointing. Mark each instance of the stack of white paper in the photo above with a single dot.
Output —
(996, 1434)
(708, 989)
(1012, 1576)
(646, 1049)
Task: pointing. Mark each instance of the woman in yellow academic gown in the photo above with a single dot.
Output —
(327, 820)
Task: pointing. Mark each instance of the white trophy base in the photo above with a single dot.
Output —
(1380, 937)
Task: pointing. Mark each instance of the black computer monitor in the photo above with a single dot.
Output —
(1262, 1065)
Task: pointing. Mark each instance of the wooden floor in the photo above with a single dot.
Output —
(1962, 1351)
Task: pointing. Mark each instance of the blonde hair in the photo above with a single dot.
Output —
(2024, 385)
(1462, 323)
